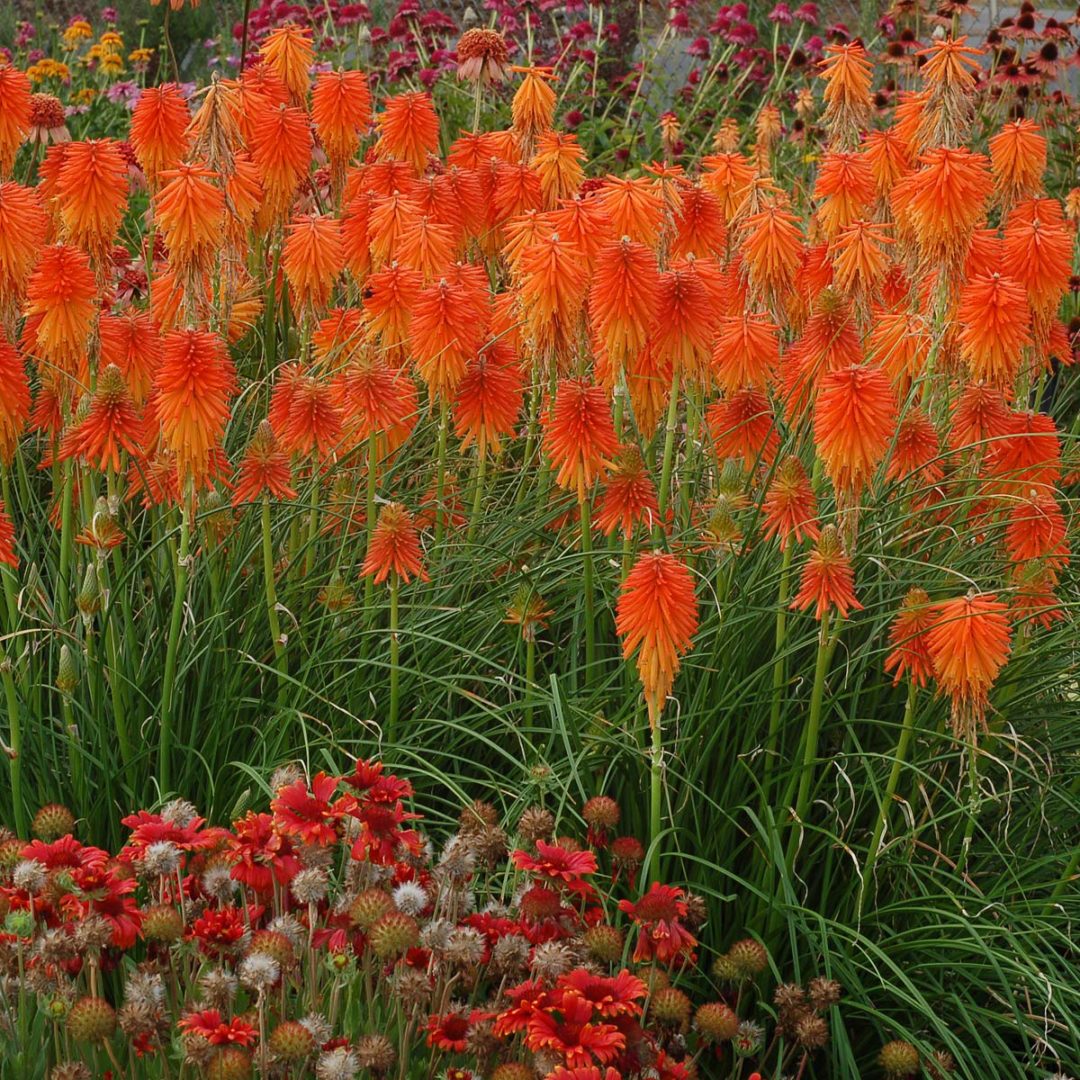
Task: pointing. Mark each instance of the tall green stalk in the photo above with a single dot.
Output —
(440, 478)
(14, 749)
(587, 586)
(664, 495)
(270, 586)
(779, 671)
(478, 494)
(656, 793)
(168, 686)
(395, 671)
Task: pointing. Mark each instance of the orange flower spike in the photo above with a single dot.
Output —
(950, 78)
(287, 52)
(743, 427)
(854, 423)
(969, 644)
(657, 617)
(533, 104)
(624, 298)
(312, 259)
(14, 115)
(341, 110)
(446, 332)
(131, 342)
(557, 162)
(948, 199)
(14, 400)
(634, 208)
(746, 352)
(860, 258)
(355, 237)
(1038, 252)
(700, 228)
(828, 579)
(686, 321)
(377, 398)
(728, 177)
(62, 301)
(190, 211)
(92, 188)
(910, 656)
(889, 157)
(847, 73)
(427, 247)
(1018, 161)
(389, 300)
(629, 497)
(916, 450)
(339, 336)
(243, 197)
(517, 191)
(159, 130)
(979, 417)
(192, 389)
(789, 510)
(112, 427)
(281, 148)
(438, 197)
(487, 403)
(771, 251)
(1029, 454)
(390, 217)
(584, 224)
(553, 286)
(993, 319)
(845, 183)
(579, 435)
(1037, 530)
(264, 469)
(394, 548)
(8, 555)
(408, 130)
(23, 227)
(308, 417)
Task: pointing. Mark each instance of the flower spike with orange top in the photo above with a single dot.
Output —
(341, 110)
(159, 130)
(1017, 161)
(533, 105)
(312, 259)
(579, 435)
(624, 297)
(288, 53)
(22, 235)
(92, 189)
(395, 547)
(847, 73)
(112, 427)
(8, 554)
(61, 306)
(14, 400)
(408, 129)
(828, 580)
(14, 115)
(264, 469)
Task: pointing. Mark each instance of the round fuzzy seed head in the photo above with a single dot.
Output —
(899, 1059)
(749, 957)
(655, 978)
(273, 944)
(812, 1032)
(601, 812)
(940, 1065)
(394, 934)
(292, 1042)
(716, 1022)
(51, 822)
(10, 856)
(477, 817)
(70, 1070)
(162, 923)
(824, 993)
(375, 1052)
(229, 1063)
(535, 824)
(368, 907)
(725, 971)
(91, 1020)
(605, 943)
(540, 903)
(671, 1007)
(513, 1070)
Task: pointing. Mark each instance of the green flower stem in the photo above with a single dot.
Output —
(14, 749)
(478, 494)
(168, 687)
(530, 677)
(369, 522)
(664, 496)
(271, 593)
(440, 478)
(395, 645)
(779, 672)
(899, 759)
(656, 793)
(587, 587)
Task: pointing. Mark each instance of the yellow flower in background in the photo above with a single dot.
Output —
(85, 96)
(111, 40)
(77, 31)
(112, 64)
(48, 69)
(140, 58)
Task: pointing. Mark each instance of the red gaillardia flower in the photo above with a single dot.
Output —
(910, 656)
(828, 580)
(854, 422)
(341, 109)
(395, 547)
(312, 259)
(657, 615)
(159, 130)
(264, 469)
(22, 235)
(790, 508)
(658, 916)
(191, 394)
(61, 305)
(111, 427)
(558, 865)
(311, 815)
(92, 189)
(8, 555)
(969, 644)
(569, 1029)
(629, 497)
(579, 435)
(408, 129)
(287, 52)
(14, 115)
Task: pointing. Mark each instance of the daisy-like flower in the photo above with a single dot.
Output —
(616, 995)
(210, 1025)
(14, 400)
(657, 617)
(557, 864)
(969, 644)
(22, 236)
(287, 52)
(629, 496)
(92, 188)
(8, 555)
(659, 916)
(14, 115)
(408, 129)
(159, 130)
(482, 56)
(311, 815)
(312, 259)
(579, 435)
(569, 1029)
(61, 304)
(487, 402)
(828, 580)
(557, 162)
(790, 508)
(192, 389)
(854, 422)
(112, 426)
(910, 656)
(395, 547)
(264, 469)
(341, 110)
